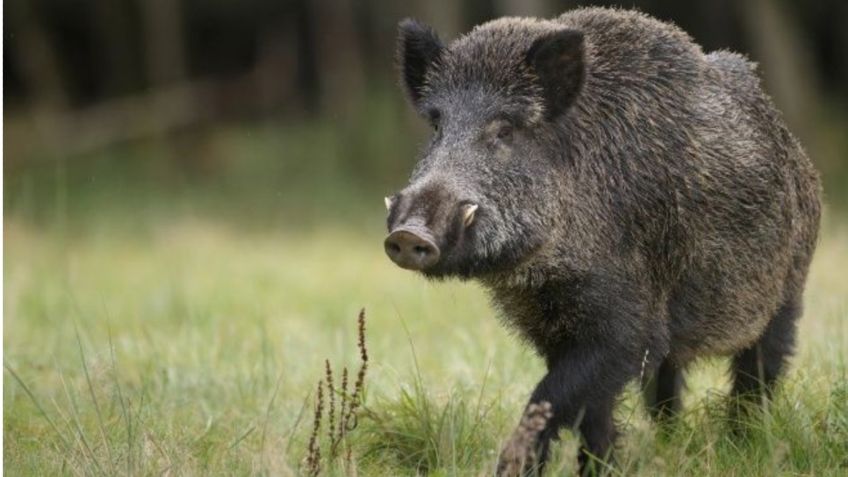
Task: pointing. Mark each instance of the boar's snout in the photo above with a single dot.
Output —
(412, 248)
(428, 223)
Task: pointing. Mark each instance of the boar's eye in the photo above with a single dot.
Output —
(501, 130)
(435, 118)
(505, 132)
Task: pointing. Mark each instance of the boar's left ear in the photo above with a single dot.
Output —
(418, 49)
(557, 60)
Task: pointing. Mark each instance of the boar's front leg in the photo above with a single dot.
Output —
(581, 386)
(587, 370)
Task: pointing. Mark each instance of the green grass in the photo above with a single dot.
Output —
(194, 349)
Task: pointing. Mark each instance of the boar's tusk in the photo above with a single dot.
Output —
(468, 214)
(388, 201)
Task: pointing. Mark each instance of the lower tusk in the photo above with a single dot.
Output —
(468, 214)
(388, 201)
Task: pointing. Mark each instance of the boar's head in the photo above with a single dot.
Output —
(485, 192)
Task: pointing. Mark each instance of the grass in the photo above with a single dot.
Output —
(194, 348)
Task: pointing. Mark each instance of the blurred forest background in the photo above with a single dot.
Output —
(285, 112)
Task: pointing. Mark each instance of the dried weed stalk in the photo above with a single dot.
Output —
(347, 411)
(313, 459)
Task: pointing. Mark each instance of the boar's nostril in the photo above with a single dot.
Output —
(411, 250)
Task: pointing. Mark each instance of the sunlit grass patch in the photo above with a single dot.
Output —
(194, 349)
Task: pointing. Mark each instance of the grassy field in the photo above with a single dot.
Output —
(194, 349)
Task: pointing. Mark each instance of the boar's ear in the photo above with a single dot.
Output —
(418, 48)
(557, 60)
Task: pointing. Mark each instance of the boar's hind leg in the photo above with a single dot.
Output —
(662, 391)
(756, 368)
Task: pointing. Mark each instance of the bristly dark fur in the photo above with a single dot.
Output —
(645, 205)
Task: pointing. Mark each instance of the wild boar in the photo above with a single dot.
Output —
(630, 202)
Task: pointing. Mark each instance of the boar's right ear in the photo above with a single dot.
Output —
(418, 49)
(557, 60)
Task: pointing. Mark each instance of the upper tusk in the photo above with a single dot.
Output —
(388, 201)
(468, 214)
